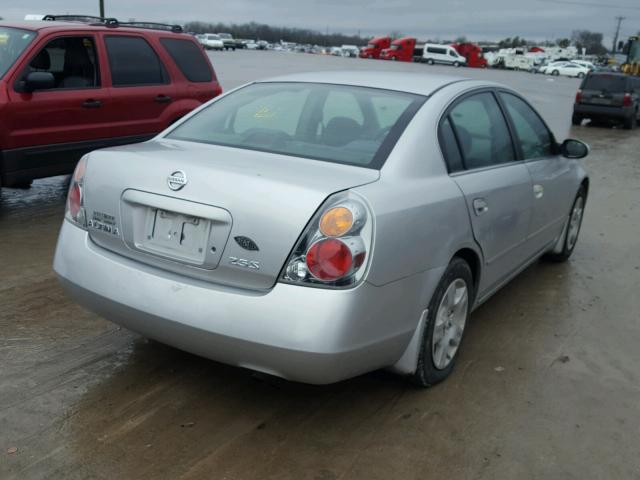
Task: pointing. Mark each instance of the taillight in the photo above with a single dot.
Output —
(333, 249)
(75, 199)
(579, 96)
(626, 101)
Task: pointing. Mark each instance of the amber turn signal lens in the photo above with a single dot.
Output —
(336, 222)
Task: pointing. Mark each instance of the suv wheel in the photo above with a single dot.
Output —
(447, 318)
(631, 122)
(576, 119)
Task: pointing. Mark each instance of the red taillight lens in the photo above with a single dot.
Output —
(329, 259)
(626, 102)
(579, 96)
(74, 200)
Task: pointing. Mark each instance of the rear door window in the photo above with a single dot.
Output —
(450, 148)
(189, 59)
(133, 62)
(481, 131)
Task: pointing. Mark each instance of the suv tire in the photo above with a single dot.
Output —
(631, 122)
(576, 119)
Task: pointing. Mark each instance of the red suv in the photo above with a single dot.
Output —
(69, 87)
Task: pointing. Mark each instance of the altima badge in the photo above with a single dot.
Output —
(177, 180)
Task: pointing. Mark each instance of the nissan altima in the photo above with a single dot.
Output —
(319, 226)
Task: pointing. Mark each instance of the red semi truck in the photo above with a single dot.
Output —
(401, 50)
(473, 54)
(375, 46)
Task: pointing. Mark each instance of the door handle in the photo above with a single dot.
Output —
(480, 206)
(91, 103)
(163, 99)
(538, 191)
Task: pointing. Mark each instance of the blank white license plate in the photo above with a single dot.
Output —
(176, 235)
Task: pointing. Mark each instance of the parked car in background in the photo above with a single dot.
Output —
(169, 238)
(336, 51)
(375, 47)
(211, 41)
(610, 97)
(350, 51)
(401, 49)
(567, 69)
(68, 87)
(227, 41)
(585, 63)
(445, 54)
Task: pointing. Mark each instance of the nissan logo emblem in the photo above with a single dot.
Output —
(177, 180)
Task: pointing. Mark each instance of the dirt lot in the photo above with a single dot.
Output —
(547, 385)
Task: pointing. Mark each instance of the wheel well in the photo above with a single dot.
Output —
(473, 260)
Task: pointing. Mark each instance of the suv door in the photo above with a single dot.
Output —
(140, 86)
(66, 119)
(497, 188)
(550, 173)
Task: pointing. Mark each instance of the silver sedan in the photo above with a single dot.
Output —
(320, 226)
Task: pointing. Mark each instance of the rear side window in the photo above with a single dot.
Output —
(449, 146)
(481, 131)
(133, 62)
(608, 83)
(189, 59)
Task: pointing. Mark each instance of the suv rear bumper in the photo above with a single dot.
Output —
(304, 334)
(602, 111)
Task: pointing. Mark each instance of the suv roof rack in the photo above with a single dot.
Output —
(113, 22)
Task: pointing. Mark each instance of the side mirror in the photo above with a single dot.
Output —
(39, 81)
(571, 148)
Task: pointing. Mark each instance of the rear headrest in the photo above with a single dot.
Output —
(42, 61)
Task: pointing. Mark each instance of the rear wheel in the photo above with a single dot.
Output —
(447, 317)
(572, 229)
(576, 119)
(430, 61)
(631, 122)
(580, 75)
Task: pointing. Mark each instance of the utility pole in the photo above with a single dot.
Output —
(615, 37)
(102, 8)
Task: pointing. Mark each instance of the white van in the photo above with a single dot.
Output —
(434, 53)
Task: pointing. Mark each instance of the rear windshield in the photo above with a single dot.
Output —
(609, 83)
(13, 41)
(335, 123)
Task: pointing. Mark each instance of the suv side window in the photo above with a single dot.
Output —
(133, 62)
(535, 139)
(189, 59)
(481, 131)
(72, 61)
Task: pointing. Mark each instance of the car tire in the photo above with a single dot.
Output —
(580, 75)
(429, 61)
(631, 122)
(555, 73)
(448, 310)
(572, 229)
(456, 64)
(576, 119)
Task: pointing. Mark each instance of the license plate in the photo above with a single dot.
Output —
(601, 101)
(176, 235)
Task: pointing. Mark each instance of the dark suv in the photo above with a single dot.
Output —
(69, 87)
(608, 96)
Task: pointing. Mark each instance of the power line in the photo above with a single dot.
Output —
(590, 4)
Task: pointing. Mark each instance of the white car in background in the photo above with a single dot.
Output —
(567, 69)
(211, 41)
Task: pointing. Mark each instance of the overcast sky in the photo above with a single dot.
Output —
(477, 20)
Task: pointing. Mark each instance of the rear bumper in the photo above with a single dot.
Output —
(602, 111)
(304, 334)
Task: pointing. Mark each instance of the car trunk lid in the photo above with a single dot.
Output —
(232, 219)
